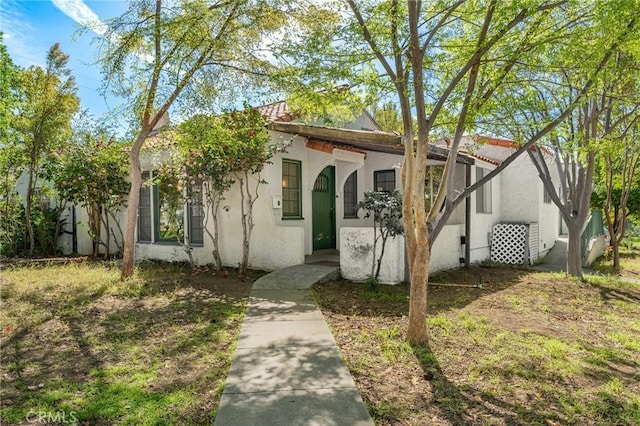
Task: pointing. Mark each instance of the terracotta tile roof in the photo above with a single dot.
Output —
(277, 111)
(328, 147)
(483, 158)
(505, 143)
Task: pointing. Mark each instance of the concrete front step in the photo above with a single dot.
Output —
(297, 277)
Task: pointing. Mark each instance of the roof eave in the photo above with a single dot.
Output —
(375, 141)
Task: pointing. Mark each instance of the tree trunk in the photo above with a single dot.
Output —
(384, 234)
(135, 174)
(574, 250)
(373, 256)
(107, 227)
(615, 246)
(417, 330)
(115, 239)
(213, 198)
(27, 213)
(95, 218)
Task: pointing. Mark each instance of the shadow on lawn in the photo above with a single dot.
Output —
(559, 402)
(107, 355)
(349, 298)
(464, 405)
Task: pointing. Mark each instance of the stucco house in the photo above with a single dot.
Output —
(311, 194)
(308, 204)
(509, 219)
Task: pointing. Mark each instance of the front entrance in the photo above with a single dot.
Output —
(323, 201)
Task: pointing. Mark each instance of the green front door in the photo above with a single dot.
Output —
(324, 209)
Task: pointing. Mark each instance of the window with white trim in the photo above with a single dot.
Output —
(483, 193)
(291, 189)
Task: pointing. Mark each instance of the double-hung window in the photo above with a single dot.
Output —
(291, 189)
(168, 206)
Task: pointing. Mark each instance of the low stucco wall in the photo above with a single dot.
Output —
(356, 251)
(356, 256)
(594, 250)
(284, 248)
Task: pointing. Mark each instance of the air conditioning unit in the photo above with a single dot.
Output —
(515, 243)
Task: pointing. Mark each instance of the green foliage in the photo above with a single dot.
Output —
(206, 57)
(42, 125)
(388, 117)
(12, 230)
(234, 142)
(372, 283)
(92, 173)
(599, 198)
(50, 101)
(219, 151)
(9, 92)
(45, 223)
(386, 209)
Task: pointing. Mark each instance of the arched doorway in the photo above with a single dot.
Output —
(323, 200)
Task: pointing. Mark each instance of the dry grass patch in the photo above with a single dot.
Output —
(527, 348)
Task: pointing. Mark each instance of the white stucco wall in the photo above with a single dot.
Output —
(447, 250)
(374, 161)
(363, 122)
(65, 241)
(548, 213)
(523, 199)
(482, 223)
(84, 241)
(356, 256)
(520, 186)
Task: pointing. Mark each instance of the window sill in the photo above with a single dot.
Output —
(293, 218)
(168, 243)
(351, 217)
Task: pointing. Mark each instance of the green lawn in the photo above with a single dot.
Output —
(629, 261)
(526, 348)
(78, 344)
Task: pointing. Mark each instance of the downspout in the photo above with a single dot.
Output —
(467, 220)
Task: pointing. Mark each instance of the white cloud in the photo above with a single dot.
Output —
(15, 27)
(82, 14)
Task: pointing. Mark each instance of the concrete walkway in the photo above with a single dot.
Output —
(556, 259)
(286, 369)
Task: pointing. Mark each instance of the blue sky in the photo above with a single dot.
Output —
(30, 27)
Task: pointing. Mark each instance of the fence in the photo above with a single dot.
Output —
(593, 229)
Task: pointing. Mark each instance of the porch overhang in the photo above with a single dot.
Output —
(368, 140)
(338, 151)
